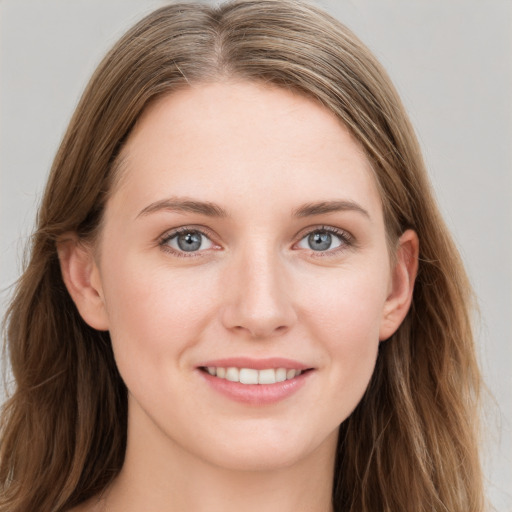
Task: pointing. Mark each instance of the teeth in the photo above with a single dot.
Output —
(252, 376)
(248, 376)
(280, 374)
(267, 376)
(233, 374)
(290, 374)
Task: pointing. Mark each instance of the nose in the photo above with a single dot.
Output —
(258, 297)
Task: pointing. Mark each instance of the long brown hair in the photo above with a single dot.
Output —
(411, 444)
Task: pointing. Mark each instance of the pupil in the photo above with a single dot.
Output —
(189, 241)
(320, 241)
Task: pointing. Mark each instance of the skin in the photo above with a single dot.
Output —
(255, 288)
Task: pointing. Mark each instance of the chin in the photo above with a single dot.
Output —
(254, 453)
(259, 459)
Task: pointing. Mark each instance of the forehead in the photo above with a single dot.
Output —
(241, 139)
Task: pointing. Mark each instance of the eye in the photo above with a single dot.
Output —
(187, 241)
(324, 239)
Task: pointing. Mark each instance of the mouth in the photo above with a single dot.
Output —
(252, 376)
(256, 382)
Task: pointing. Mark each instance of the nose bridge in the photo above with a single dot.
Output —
(260, 302)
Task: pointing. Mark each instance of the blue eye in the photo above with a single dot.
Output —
(188, 241)
(322, 240)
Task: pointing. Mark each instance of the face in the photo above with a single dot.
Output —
(244, 275)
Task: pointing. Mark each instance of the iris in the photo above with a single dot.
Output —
(190, 241)
(320, 240)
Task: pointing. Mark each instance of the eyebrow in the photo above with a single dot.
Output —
(210, 209)
(323, 207)
(184, 205)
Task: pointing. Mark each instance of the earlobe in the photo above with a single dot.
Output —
(83, 281)
(403, 277)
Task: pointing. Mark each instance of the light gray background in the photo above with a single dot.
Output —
(452, 63)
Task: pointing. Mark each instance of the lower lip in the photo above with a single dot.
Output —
(256, 394)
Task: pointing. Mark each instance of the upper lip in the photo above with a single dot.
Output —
(256, 364)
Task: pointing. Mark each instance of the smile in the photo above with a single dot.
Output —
(253, 376)
(256, 382)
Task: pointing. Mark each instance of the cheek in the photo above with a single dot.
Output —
(347, 304)
(345, 320)
(154, 313)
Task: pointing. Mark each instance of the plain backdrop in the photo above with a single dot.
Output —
(452, 63)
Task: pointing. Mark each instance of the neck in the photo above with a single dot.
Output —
(160, 475)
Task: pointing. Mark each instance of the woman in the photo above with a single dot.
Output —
(241, 293)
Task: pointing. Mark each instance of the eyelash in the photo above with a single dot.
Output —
(347, 240)
(167, 237)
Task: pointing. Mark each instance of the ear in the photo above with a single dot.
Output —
(402, 284)
(83, 281)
